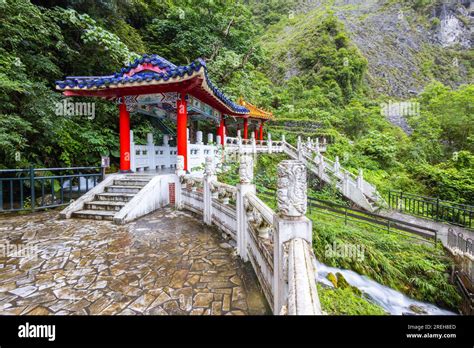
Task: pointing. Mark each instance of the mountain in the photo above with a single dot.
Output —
(406, 44)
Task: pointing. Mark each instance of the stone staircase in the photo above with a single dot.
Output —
(354, 188)
(106, 205)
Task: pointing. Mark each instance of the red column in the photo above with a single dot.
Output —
(124, 125)
(246, 128)
(222, 130)
(181, 129)
(261, 130)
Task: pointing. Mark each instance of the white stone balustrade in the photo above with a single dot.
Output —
(271, 241)
(155, 157)
(353, 187)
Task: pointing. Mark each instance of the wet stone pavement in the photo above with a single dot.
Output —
(167, 263)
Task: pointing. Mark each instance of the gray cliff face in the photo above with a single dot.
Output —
(456, 24)
(407, 48)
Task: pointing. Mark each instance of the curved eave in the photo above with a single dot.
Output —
(255, 112)
(195, 84)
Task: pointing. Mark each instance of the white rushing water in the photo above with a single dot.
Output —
(392, 301)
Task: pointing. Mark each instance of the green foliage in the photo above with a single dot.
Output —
(452, 180)
(418, 270)
(346, 302)
(380, 146)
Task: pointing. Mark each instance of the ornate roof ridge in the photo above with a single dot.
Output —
(148, 68)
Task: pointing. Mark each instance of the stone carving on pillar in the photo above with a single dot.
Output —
(291, 194)
(246, 169)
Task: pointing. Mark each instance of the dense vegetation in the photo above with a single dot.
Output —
(303, 67)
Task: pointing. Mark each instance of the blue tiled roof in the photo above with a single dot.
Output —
(169, 71)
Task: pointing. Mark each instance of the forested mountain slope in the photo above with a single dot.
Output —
(406, 43)
(323, 67)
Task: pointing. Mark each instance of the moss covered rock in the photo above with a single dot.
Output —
(332, 278)
(346, 302)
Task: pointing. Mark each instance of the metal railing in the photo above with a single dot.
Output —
(432, 208)
(361, 216)
(42, 188)
(458, 241)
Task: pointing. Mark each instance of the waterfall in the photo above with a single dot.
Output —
(390, 300)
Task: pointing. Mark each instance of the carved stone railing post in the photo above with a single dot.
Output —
(209, 178)
(345, 184)
(150, 147)
(290, 222)
(199, 137)
(321, 166)
(254, 143)
(245, 186)
(133, 154)
(283, 140)
(317, 146)
(166, 140)
(180, 172)
(300, 148)
(269, 142)
(360, 179)
(337, 166)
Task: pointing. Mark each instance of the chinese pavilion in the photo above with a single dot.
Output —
(154, 86)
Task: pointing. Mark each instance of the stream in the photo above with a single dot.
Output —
(392, 301)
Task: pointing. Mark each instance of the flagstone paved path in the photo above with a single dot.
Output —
(165, 263)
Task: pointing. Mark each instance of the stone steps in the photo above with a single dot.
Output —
(95, 214)
(131, 182)
(105, 205)
(114, 197)
(122, 189)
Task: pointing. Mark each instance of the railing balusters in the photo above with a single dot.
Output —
(42, 191)
(1, 194)
(32, 187)
(11, 194)
(432, 208)
(52, 192)
(61, 183)
(70, 188)
(79, 184)
(22, 205)
(15, 196)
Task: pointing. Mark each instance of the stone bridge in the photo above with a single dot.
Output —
(207, 248)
